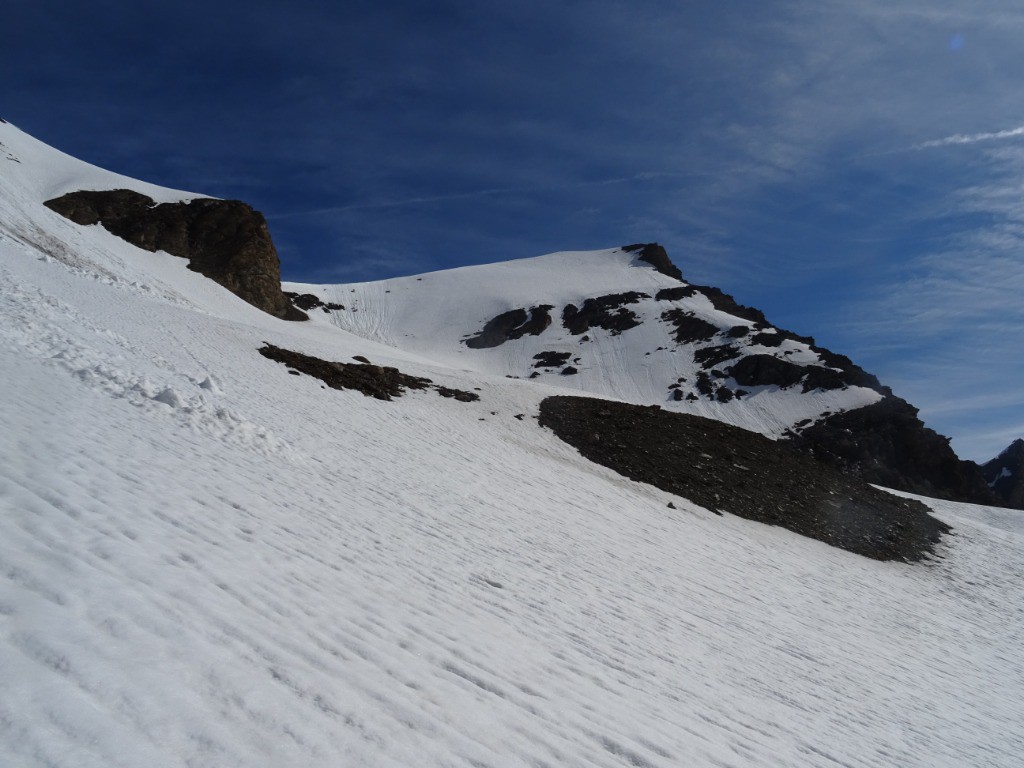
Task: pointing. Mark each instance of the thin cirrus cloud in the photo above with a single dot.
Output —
(478, 193)
(971, 138)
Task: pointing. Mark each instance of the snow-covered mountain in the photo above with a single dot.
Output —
(217, 551)
(622, 323)
(608, 323)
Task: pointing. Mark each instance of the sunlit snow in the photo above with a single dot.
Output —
(205, 561)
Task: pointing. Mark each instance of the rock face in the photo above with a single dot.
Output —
(727, 469)
(308, 301)
(225, 240)
(513, 324)
(886, 443)
(657, 257)
(607, 312)
(1005, 475)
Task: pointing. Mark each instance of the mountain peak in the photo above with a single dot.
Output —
(1016, 448)
(655, 255)
(1005, 474)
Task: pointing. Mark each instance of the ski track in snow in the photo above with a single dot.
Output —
(205, 561)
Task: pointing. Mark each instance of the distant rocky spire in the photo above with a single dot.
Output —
(1005, 474)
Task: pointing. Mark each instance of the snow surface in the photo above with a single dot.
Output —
(432, 314)
(206, 561)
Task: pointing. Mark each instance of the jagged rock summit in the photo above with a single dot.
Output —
(1005, 475)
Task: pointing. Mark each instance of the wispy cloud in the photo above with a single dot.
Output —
(479, 193)
(945, 326)
(971, 138)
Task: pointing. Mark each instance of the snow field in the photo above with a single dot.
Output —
(409, 585)
(206, 561)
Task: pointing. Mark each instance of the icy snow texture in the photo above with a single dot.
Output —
(205, 561)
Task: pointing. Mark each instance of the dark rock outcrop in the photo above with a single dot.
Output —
(656, 256)
(765, 370)
(887, 444)
(377, 381)
(688, 327)
(551, 359)
(1005, 475)
(225, 240)
(675, 293)
(823, 378)
(709, 357)
(724, 302)
(727, 469)
(608, 312)
(308, 301)
(513, 324)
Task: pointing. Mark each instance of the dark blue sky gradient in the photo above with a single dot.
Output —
(774, 148)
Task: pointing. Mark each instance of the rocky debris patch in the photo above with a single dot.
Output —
(848, 374)
(727, 469)
(513, 324)
(676, 293)
(723, 394)
(688, 327)
(709, 357)
(225, 240)
(551, 359)
(308, 301)
(823, 378)
(853, 375)
(381, 382)
(887, 444)
(456, 394)
(607, 312)
(704, 384)
(708, 387)
(656, 256)
(766, 370)
(569, 370)
(1005, 475)
(767, 339)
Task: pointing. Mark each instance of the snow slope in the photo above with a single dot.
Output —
(206, 561)
(433, 314)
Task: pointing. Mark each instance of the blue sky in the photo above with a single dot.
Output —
(856, 170)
